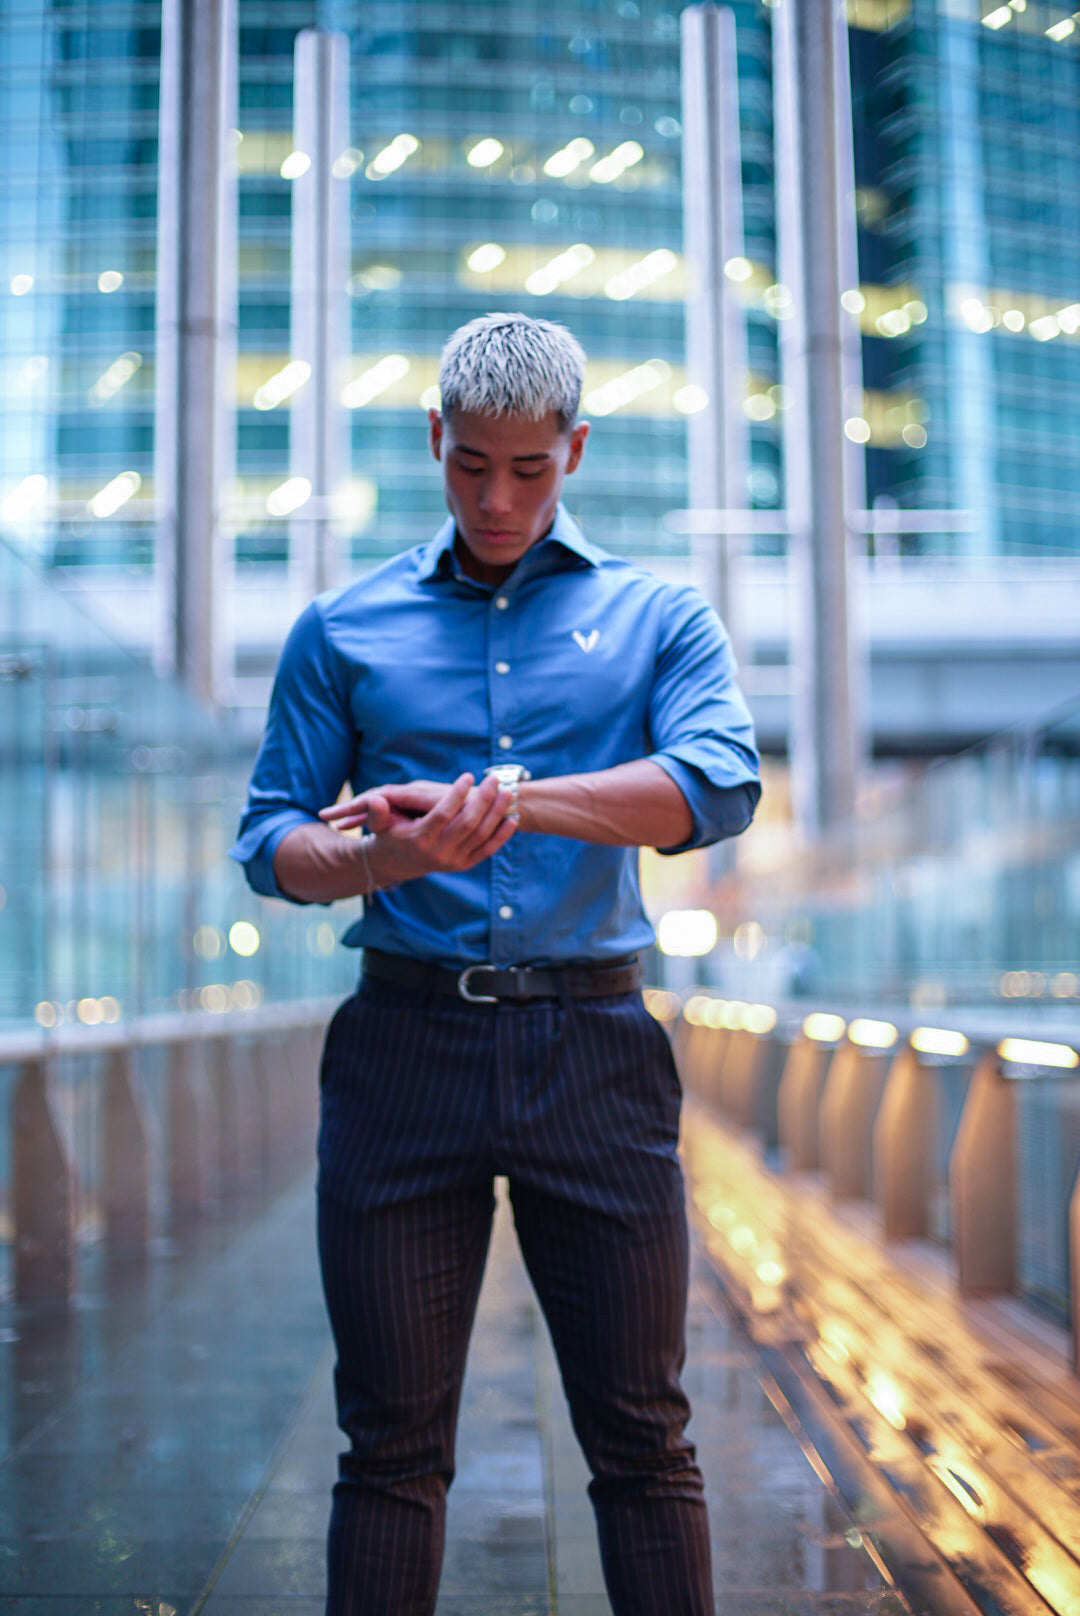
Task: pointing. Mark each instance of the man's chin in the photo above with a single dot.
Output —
(498, 545)
(500, 537)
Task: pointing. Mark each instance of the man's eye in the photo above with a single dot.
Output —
(528, 475)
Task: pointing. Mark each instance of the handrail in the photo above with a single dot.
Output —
(164, 1028)
(790, 1016)
(188, 1108)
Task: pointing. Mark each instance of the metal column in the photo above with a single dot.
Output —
(716, 357)
(195, 335)
(971, 436)
(811, 99)
(319, 427)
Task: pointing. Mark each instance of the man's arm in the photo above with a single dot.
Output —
(631, 805)
(700, 783)
(462, 825)
(634, 804)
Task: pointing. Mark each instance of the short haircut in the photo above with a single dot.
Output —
(512, 364)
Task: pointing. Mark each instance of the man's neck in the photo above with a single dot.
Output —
(479, 570)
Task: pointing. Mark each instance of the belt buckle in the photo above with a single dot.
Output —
(463, 985)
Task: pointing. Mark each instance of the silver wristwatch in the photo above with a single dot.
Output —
(509, 775)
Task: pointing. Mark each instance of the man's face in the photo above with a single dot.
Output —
(503, 476)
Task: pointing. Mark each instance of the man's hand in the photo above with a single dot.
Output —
(425, 828)
(465, 824)
(408, 802)
(630, 805)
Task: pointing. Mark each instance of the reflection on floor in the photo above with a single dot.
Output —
(169, 1446)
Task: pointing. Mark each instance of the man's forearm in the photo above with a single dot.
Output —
(316, 864)
(631, 805)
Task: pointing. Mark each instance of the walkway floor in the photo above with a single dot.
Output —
(170, 1446)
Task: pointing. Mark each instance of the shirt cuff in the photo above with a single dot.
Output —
(255, 850)
(717, 811)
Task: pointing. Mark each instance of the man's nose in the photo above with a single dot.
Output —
(495, 495)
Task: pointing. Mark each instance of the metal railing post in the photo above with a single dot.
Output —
(125, 1174)
(799, 1100)
(982, 1182)
(737, 1078)
(44, 1186)
(852, 1092)
(905, 1168)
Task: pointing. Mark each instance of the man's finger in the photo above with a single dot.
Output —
(490, 821)
(462, 829)
(352, 807)
(416, 798)
(448, 804)
(498, 838)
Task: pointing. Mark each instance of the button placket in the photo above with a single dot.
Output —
(504, 907)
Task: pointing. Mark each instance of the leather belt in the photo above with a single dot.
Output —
(487, 984)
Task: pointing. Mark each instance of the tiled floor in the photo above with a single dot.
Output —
(170, 1447)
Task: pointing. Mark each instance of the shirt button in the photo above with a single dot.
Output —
(506, 742)
(501, 602)
(505, 912)
(502, 667)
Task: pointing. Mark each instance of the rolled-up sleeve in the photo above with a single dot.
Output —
(307, 752)
(699, 722)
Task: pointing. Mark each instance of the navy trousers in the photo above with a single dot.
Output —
(424, 1100)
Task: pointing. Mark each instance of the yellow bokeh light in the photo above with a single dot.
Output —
(938, 1041)
(824, 1028)
(207, 942)
(1031, 1052)
(872, 1034)
(244, 938)
(687, 933)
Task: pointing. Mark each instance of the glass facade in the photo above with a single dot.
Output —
(78, 206)
(118, 800)
(967, 129)
(543, 171)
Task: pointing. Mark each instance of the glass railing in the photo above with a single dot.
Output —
(960, 888)
(119, 796)
(952, 900)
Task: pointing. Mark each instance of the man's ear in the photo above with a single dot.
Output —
(435, 433)
(577, 445)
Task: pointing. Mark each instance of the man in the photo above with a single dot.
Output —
(498, 1028)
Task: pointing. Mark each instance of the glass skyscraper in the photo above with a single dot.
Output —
(529, 157)
(967, 130)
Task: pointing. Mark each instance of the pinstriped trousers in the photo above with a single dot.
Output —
(424, 1100)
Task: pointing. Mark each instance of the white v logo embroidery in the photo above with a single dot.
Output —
(587, 641)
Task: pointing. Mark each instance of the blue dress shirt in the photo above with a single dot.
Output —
(578, 661)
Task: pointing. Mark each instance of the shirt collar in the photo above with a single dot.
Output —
(437, 558)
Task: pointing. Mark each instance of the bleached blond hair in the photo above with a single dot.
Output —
(512, 364)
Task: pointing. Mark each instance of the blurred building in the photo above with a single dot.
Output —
(528, 157)
(967, 127)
